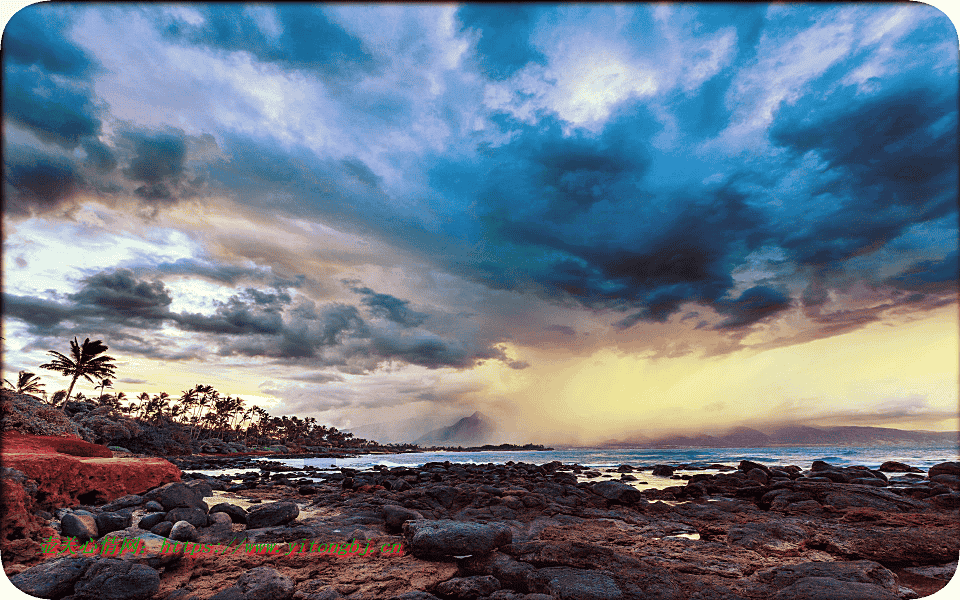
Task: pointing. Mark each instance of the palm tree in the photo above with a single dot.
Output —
(27, 383)
(84, 362)
(104, 383)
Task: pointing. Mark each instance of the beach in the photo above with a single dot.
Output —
(510, 531)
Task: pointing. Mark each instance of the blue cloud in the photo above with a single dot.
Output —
(307, 38)
(504, 46)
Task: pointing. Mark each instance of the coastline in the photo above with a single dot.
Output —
(510, 531)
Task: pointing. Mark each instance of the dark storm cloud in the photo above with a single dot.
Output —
(39, 182)
(255, 322)
(930, 275)
(121, 294)
(307, 38)
(896, 156)
(753, 305)
(504, 46)
(46, 83)
(390, 307)
(38, 313)
(99, 156)
(56, 110)
(157, 156)
(35, 36)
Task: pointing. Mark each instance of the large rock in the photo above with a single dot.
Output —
(567, 583)
(194, 516)
(944, 468)
(183, 531)
(28, 414)
(468, 588)
(396, 515)
(454, 538)
(149, 520)
(70, 471)
(265, 583)
(273, 514)
(823, 588)
(123, 502)
(773, 535)
(113, 521)
(616, 491)
(151, 549)
(237, 514)
(52, 579)
(892, 466)
(177, 495)
(857, 571)
(82, 527)
(115, 579)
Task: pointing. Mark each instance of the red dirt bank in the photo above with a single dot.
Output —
(67, 471)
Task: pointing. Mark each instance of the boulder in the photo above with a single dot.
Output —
(567, 583)
(949, 501)
(163, 528)
(944, 468)
(616, 491)
(857, 571)
(236, 513)
(772, 535)
(758, 475)
(454, 538)
(273, 514)
(892, 466)
(748, 465)
(182, 531)
(820, 588)
(149, 520)
(153, 506)
(123, 502)
(201, 487)
(153, 550)
(662, 470)
(52, 579)
(468, 588)
(265, 583)
(113, 521)
(175, 495)
(194, 516)
(218, 531)
(396, 515)
(115, 579)
(82, 527)
(507, 570)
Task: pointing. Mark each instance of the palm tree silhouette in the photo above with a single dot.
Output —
(27, 383)
(104, 383)
(84, 362)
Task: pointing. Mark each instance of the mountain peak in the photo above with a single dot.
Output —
(474, 429)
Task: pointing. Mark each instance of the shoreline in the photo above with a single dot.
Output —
(748, 532)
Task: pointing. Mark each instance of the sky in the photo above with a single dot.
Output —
(587, 222)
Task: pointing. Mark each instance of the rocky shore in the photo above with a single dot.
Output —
(505, 532)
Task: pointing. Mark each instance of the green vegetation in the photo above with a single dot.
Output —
(200, 413)
(27, 383)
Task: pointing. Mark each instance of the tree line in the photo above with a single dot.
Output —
(202, 409)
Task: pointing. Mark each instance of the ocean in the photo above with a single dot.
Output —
(920, 456)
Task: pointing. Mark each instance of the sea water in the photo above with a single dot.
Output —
(920, 456)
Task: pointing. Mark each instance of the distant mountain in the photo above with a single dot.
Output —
(475, 429)
(796, 435)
